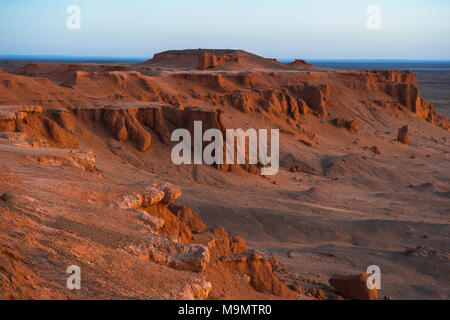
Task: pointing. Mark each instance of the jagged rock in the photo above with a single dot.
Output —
(171, 193)
(152, 196)
(60, 136)
(59, 157)
(161, 127)
(38, 143)
(351, 125)
(375, 150)
(154, 222)
(172, 225)
(85, 160)
(188, 216)
(132, 121)
(130, 201)
(403, 134)
(238, 245)
(137, 133)
(317, 293)
(64, 119)
(197, 290)
(242, 101)
(15, 136)
(12, 115)
(293, 111)
(180, 256)
(144, 197)
(354, 287)
(188, 257)
(302, 106)
(276, 265)
(297, 288)
(119, 129)
(260, 271)
(220, 243)
(316, 97)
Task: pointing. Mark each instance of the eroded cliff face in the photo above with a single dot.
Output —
(228, 78)
(124, 122)
(401, 86)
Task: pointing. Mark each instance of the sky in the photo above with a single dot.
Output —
(283, 29)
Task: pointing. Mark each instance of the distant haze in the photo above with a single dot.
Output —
(283, 29)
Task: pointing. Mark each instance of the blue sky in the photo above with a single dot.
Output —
(320, 29)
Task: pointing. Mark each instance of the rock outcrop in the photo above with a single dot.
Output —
(354, 287)
(188, 216)
(403, 134)
(207, 60)
(32, 121)
(260, 271)
(351, 125)
(134, 121)
(180, 256)
(182, 241)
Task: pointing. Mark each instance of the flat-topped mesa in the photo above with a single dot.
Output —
(182, 59)
(218, 59)
(228, 78)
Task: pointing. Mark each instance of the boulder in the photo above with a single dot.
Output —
(350, 125)
(187, 257)
(176, 255)
(238, 244)
(171, 193)
(260, 271)
(403, 134)
(154, 222)
(197, 290)
(84, 159)
(354, 287)
(375, 150)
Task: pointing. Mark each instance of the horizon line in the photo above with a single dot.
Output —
(87, 57)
